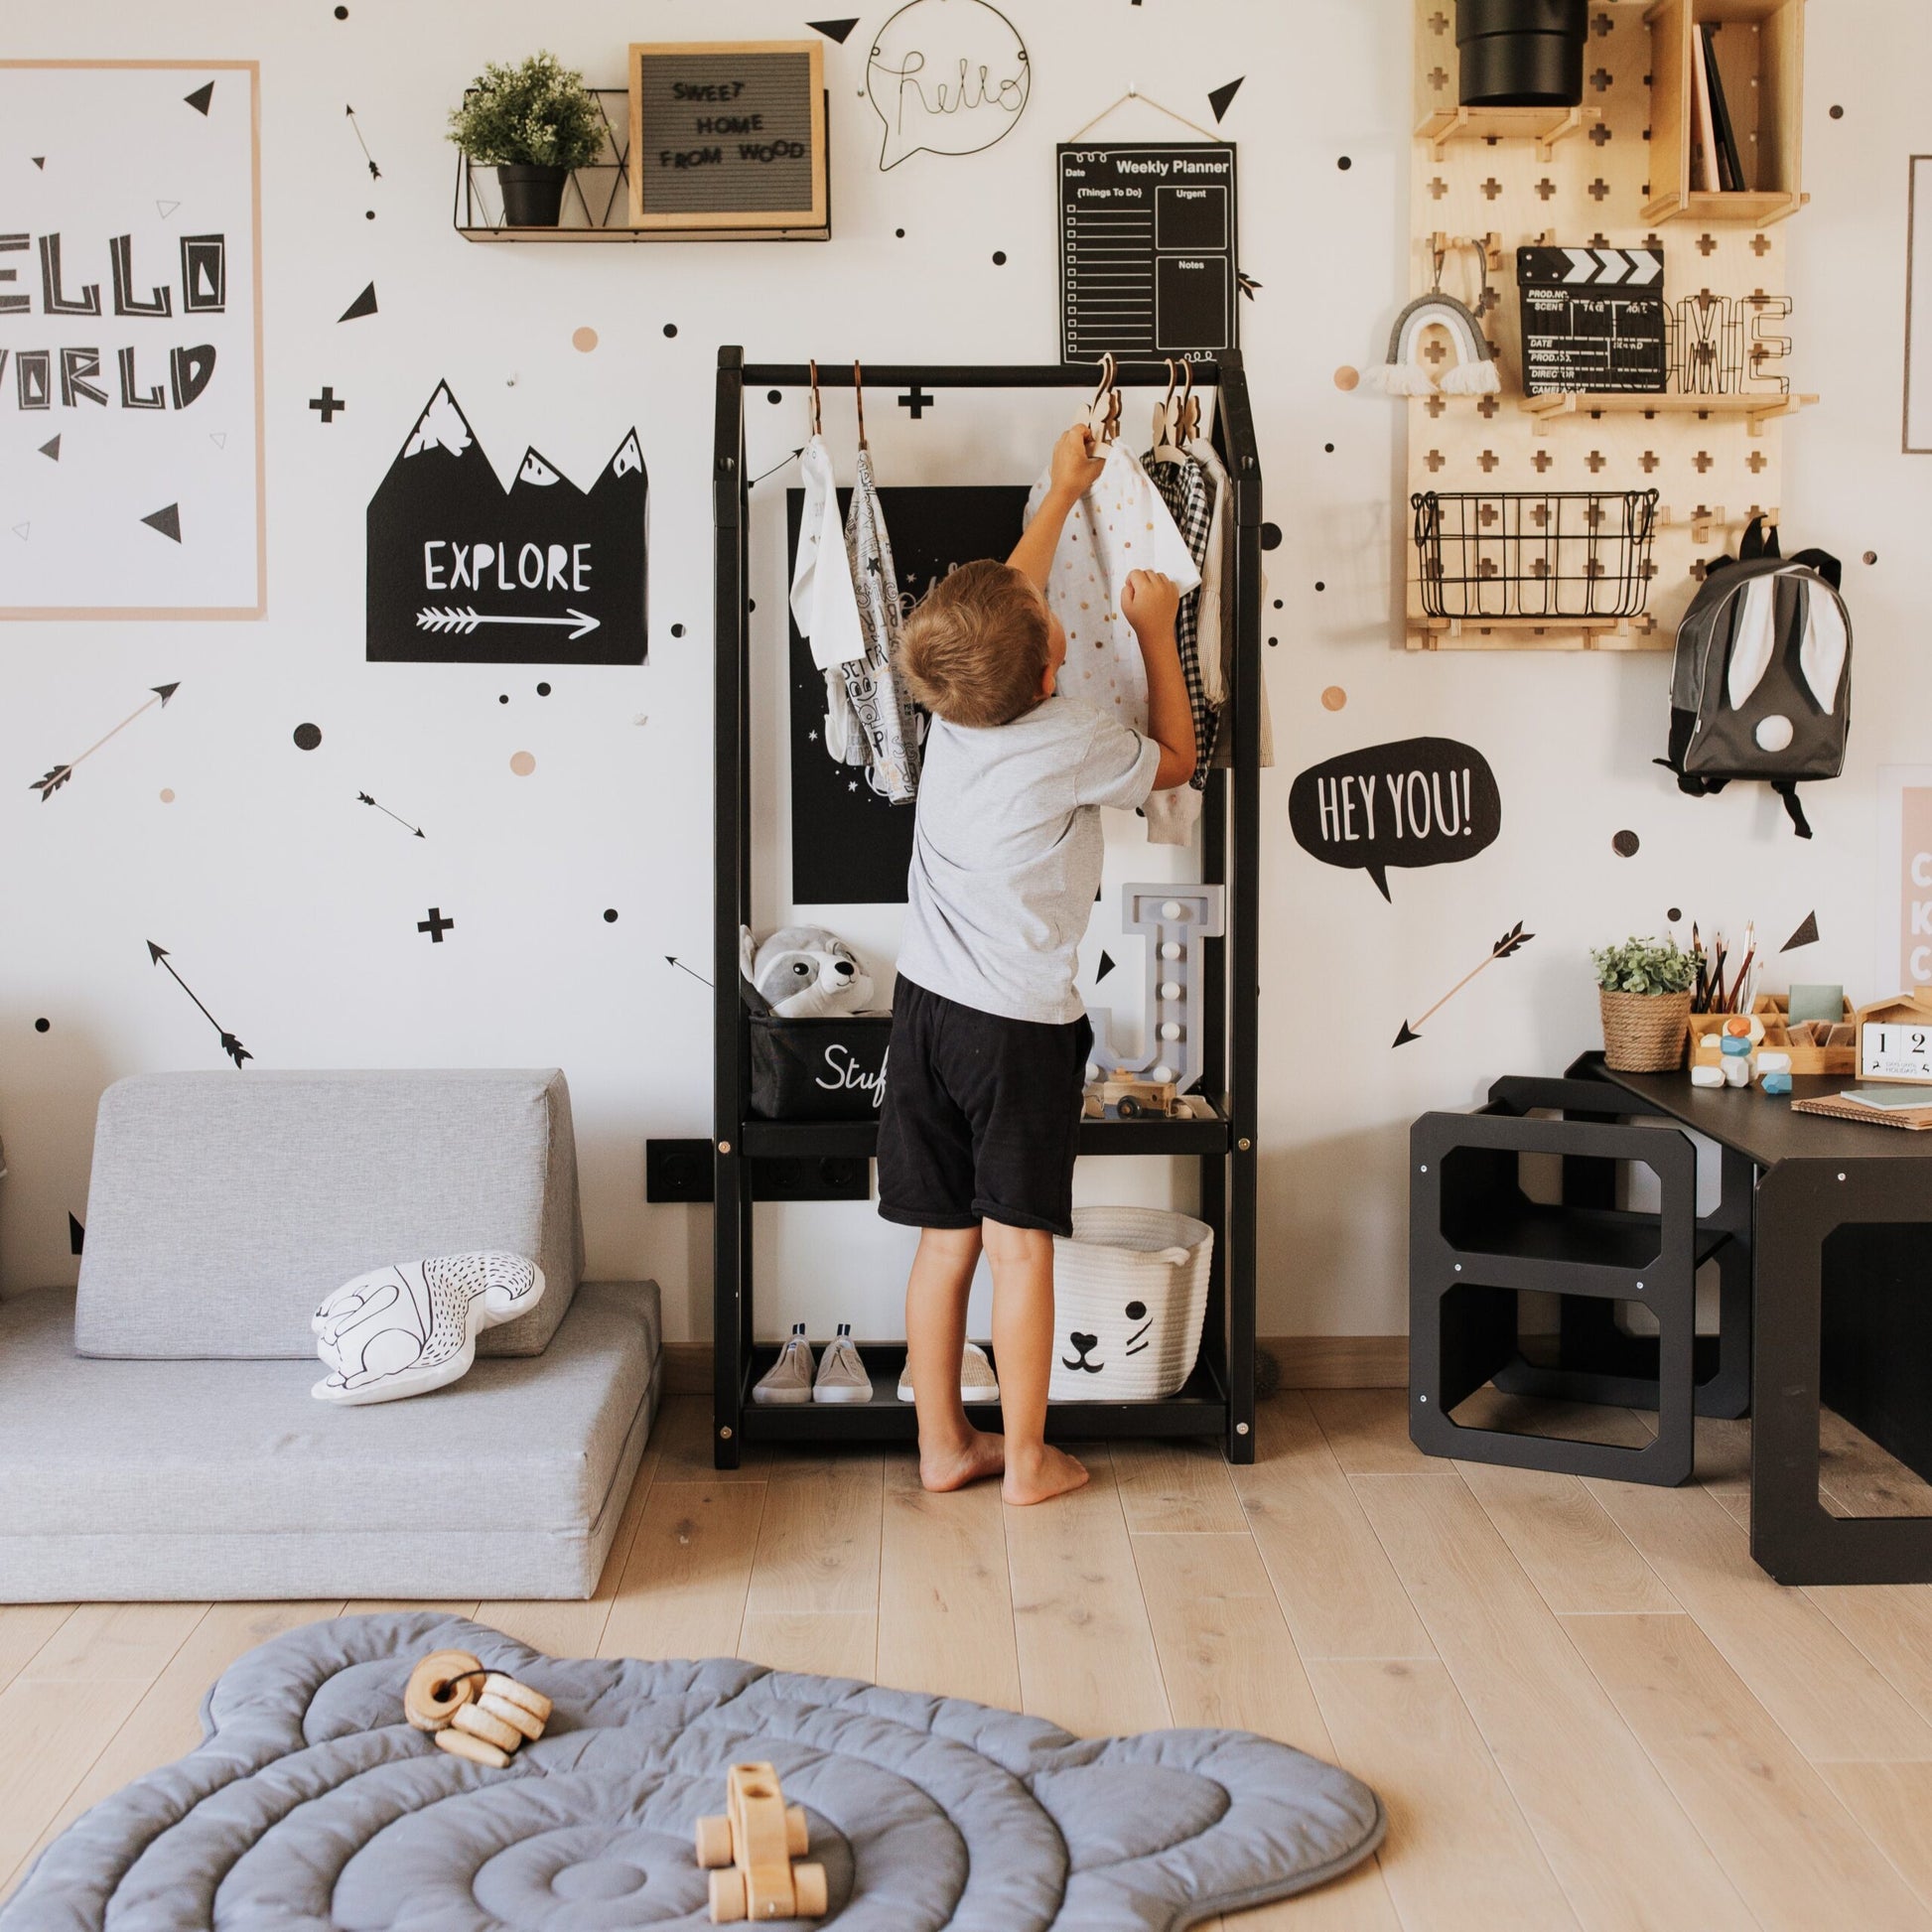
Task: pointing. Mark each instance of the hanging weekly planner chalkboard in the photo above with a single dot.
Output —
(727, 137)
(1146, 249)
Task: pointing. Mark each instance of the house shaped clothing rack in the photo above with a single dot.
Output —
(1219, 1399)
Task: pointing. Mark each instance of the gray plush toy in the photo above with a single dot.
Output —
(803, 972)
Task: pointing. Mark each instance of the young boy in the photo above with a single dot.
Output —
(990, 1042)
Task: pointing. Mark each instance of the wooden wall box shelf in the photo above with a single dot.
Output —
(1760, 56)
(1756, 407)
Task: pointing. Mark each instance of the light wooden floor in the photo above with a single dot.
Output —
(1583, 1703)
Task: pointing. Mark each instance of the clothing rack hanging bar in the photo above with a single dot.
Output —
(980, 376)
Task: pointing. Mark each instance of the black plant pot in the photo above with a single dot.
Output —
(533, 198)
(1521, 53)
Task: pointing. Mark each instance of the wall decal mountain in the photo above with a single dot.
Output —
(462, 570)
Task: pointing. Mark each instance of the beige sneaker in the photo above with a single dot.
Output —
(789, 1378)
(977, 1382)
(841, 1373)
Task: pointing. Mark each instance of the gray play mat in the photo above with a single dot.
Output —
(311, 1804)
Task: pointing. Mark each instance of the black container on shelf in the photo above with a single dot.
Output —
(831, 1068)
(1521, 53)
(533, 196)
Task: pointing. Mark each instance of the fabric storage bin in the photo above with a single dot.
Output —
(1130, 1293)
(831, 1068)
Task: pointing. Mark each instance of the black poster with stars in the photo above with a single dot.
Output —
(849, 846)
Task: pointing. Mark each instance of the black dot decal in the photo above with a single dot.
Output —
(1625, 845)
(1278, 604)
(1343, 162)
(900, 232)
(1273, 642)
(751, 604)
(1329, 448)
(307, 737)
(1271, 536)
(1675, 913)
(41, 1026)
(609, 915)
(670, 329)
(543, 690)
(998, 259)
(341, 13)
(1319, 584)
(677, 630)
(1872, 556)
(504, 698)
(368, 215)
(774, 396)
(1837, 113)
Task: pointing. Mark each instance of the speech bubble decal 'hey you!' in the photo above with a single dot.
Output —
(1421, 801)
(951, 77)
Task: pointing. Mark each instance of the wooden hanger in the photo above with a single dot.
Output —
(1168, 433)
(1189, 404)
(858, 400)
(818, 428)
(1103, 412)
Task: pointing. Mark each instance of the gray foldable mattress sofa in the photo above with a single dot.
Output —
(157, 1435)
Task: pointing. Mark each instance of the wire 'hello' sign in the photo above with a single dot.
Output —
(951, 77)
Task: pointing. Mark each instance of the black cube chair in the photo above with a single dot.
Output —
(1477, 1242)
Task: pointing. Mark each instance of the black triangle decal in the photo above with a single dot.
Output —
(167, 520)
(39, 160)
(76, 1234)
(1806, 934)
(52, 448)
(201, 98)
(1106, 966)
(833, 30)
(363, 305)
(1221, 96)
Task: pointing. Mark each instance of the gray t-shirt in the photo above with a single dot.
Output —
(1006, 855)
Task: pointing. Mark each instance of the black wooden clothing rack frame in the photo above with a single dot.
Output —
(1219, 1399)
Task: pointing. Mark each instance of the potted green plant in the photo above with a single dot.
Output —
(1644, 988)
(533, 124)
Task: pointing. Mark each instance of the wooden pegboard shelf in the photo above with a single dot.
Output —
(1716, 457)
(1546, 126)
(1757, 409)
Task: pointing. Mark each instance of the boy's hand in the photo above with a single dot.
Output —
(1150, 603)
(1075, 469)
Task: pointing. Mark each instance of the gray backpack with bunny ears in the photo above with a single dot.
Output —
(1762, 682)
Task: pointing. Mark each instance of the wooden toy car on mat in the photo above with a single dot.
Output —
(1133, 1099)
(758, 1840)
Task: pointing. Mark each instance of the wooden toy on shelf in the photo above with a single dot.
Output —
(473, 1713)
(748, 1853)
(1134, 1098)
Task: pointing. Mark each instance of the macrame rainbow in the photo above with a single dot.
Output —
(1475, 374)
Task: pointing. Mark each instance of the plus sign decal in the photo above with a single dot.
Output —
(917, 400)
(327, 404)
(436, 925)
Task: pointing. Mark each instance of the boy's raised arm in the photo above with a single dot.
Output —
(1075, 469)
(1149, 601)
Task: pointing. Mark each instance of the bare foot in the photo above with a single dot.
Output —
(1051, 1474)
(980, 1455)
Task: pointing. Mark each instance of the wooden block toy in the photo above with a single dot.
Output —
(748, 1853)
(474, 1713)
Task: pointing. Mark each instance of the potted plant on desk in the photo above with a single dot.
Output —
(533, 124)
(1644, 988)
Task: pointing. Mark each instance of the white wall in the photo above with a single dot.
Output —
(292, 911)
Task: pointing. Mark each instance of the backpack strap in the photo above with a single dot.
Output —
(1758, 541)
(1787, 789)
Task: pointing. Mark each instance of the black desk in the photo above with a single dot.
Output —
(1842, 1313)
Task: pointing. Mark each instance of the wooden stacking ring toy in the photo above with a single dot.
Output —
(439, 1687)
(474, 1713)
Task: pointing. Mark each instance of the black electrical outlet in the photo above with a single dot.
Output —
(813, 1177)
(677, 1170)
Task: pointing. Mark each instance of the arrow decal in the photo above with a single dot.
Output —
(375, 173)
(231, 1045)
(459, 624)
(59, 776)
(363, 798)
(671, 959)
(1512, 941)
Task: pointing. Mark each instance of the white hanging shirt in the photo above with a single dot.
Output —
(823, 602)
(1119, 525)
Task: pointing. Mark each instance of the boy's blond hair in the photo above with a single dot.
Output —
(975, 650)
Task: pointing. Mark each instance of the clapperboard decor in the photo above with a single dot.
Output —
(1593, 319)
(1146, 250)
(728, 139)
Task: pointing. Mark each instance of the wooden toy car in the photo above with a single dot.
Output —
(1134, 1099)
(757, 1839)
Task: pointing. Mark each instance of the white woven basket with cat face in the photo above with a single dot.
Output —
(1129, 1292)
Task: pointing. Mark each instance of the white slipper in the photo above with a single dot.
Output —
(977, 1382)
(789, 1378)
(841, 1373)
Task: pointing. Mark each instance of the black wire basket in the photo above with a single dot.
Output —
(1554, 555)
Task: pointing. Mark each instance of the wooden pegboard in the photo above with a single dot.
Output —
(1583, 182)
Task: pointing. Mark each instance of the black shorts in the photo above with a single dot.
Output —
(981, 1118)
